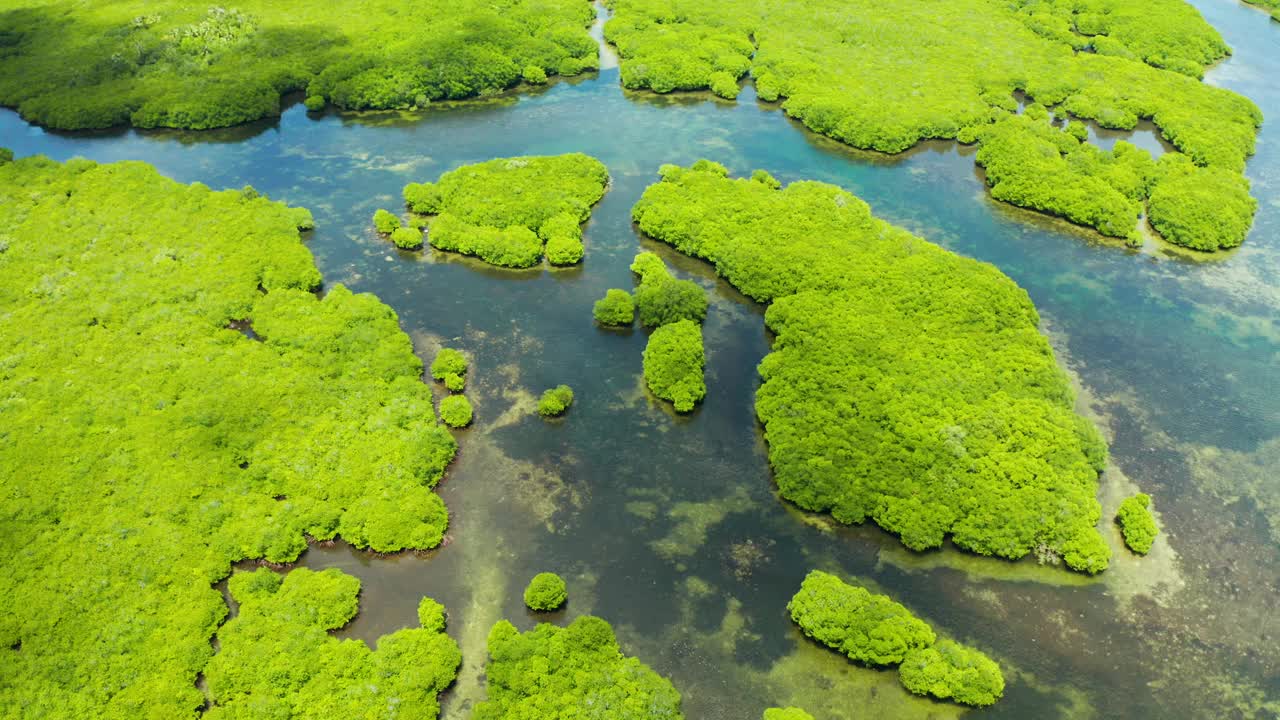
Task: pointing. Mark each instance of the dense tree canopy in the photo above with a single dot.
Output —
(456, 411)
(885, 76)
(278, 660)
(546, 591)
(155, 63)
(450, 368)
(673, 363)
(147, 444)
(571, 672)
(1137, 523)
(875, 630)
(907, 385)
(503, 211)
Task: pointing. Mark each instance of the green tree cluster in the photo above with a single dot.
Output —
(450, 368)
(1272, 5)
(175, 64)
(884, 77)
(615, 309)
(662, 299)
(906, 385)
(571, 672)
(1032, 164)
(1137, 523)
(509, 211)
(874, 630)
(148, 444)
(277, 658)
(673, 363)
(555, 401)
(546, 591)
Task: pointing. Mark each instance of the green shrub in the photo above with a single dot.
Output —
(183, 65)
(535, 75)
(454, 382)
(615, 309)
(571, 672)
(455, 411)
(546, 591)
(791, 713)
(431, 615)
(869, 628)
(503, 210)
(563, 250)
(6, 155)
(407, 238)
(662, 299)
(302, 219)
(448, 365)
(950, 671)
(1137, 524)
(211, 443)
(954, 418)
(673, 361)
(555, 401)
(385, 222)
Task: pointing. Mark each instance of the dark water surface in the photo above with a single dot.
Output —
(669, 526)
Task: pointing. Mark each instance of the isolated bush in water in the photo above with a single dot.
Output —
(546, 591)
(1137, 523)
(556, 401)
(906, 385)
(450, 368)
(662, 299)
(455, 411)
(615, 309)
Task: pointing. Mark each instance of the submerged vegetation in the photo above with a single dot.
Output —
(575, 671)
(874, 630)
(126, 392)
(508, 211)
(277, 658)
(1137, 523)
(907, 385)
(884, 77)
(555, 401)
(164, 63)
(546, 591)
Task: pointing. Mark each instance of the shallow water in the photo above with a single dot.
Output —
(669, 526)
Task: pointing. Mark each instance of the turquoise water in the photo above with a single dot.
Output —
(669, 527)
